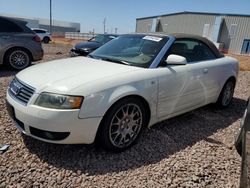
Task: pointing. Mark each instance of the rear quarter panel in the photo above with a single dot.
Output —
(226, 67)
(20, 40)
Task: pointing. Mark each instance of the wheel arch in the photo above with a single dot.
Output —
(233, 78)
(18, 47)
(136, 96)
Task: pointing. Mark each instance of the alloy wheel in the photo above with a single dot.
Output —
(125, 125)
(19, 59)
(228, 93)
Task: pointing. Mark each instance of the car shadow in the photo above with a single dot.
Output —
(155, 144)
(6, 72)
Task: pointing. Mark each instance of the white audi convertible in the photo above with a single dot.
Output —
(130, 83)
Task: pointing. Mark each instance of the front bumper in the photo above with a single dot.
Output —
(76, 52)
(51, 125)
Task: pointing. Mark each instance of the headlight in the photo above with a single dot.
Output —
(56, 101)
(86, 49)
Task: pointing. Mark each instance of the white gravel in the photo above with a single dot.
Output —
(192, 150)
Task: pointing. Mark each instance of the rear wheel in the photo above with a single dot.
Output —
(17, 59)
(226, 94)
(46, 40)
(122, 125)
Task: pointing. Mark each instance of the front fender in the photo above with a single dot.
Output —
(96, 105)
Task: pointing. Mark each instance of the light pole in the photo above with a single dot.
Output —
(104, 25)
(50, 18)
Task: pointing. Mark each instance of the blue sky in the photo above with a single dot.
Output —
(118, 13)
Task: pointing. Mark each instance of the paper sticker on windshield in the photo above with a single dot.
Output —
(156, 39)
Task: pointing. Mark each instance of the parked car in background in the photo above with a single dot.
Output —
(43, 34)
(84, 48)
(242, 144)
(19, 45)
(132, 82)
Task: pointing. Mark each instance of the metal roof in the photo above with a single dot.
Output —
(198, 13)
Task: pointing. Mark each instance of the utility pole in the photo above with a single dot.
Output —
(50, 18)
(104, 25)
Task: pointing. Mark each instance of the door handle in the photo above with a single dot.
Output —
(205, 71)
(5, 37)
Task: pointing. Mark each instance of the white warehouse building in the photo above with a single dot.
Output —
(229, 31)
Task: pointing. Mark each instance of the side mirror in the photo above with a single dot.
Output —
(176, 60)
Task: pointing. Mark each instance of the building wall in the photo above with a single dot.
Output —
(59, 27)
(142, 25)
(194, 24)
(59, 30)
(234, 44)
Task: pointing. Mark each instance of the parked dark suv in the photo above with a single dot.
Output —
(19, 45)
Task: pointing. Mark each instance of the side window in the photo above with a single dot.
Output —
(192, 50)
(42, 31)
(7, 26)
(39, 31)
(206, 53)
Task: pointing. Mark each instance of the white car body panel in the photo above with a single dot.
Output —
(169, 91)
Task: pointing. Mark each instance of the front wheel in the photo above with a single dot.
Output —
(226, 94)
(122, 124)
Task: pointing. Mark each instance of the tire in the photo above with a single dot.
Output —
(46, 40)
(17, 59)
(226, 95)
(122, 125)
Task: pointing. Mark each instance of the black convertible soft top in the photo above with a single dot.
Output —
(203, 39)
(209, 43)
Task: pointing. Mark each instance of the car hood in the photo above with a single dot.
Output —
(92, 45)
(67, 74)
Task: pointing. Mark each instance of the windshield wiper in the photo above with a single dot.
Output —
(91, 56)
(116, 61)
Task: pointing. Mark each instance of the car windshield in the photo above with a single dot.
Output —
(101, 38)
(135, 50)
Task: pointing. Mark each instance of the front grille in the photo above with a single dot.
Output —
(20, 91)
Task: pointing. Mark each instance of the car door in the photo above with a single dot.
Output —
(211, 69)
(183, 89)
(173, 83)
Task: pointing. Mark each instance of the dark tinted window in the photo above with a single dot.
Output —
(8, 26)
(192, 50)
(39, 31)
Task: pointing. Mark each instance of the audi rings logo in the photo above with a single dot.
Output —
(15, 88)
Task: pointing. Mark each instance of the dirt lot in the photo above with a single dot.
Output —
(244, 61)
(192, 150)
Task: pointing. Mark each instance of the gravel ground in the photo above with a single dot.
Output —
(192, 150)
